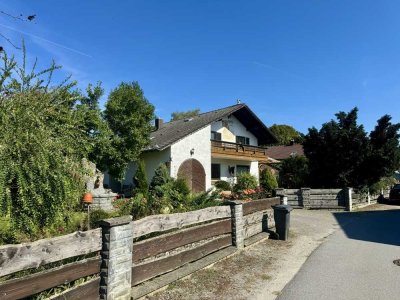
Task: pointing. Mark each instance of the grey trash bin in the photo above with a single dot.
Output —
(282, 220)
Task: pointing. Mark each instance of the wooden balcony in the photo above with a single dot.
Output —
(227, 150)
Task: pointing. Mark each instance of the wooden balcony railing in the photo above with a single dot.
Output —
(223, 149)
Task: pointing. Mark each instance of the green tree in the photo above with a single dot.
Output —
(336, 151)
(342, 154)
(268, 180)
(286, 134)
(294, 172)
(140, 180)
(179, 115)
(384, 154)
(129, 115)
(41, 147)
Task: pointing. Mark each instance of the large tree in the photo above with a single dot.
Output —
(342, 154)
(286, 134)
(41, 147)
(129, 115)
(180, 115)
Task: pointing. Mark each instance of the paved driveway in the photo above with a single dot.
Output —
(356, 262)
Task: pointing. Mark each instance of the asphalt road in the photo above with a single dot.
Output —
(355, 262)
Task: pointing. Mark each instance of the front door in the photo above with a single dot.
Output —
(193, 172)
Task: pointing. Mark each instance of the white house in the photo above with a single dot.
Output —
(216, 145)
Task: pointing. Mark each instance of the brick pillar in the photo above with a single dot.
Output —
(280, 192)
(306, 197)
(237, 224)
(349, 200)
(116, 256)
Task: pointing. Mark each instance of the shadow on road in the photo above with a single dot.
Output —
(371, 226)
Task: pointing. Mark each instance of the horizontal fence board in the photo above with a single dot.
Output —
(88, 291)
(157, 245)
(165, 279)
(24, 256)
(257, 205)
(252, 230)
(152, 269)
(35, 283)
(325, 191)
(159, 223)
(250, 219)
(325, 197)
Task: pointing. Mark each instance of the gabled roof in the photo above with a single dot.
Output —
(282, 152)
(174, 131)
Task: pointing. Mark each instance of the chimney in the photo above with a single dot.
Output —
(159, 123)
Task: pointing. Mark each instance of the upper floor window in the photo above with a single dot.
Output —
(216, 136)
(242, 140)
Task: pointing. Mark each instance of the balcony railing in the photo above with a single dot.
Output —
(231, 150)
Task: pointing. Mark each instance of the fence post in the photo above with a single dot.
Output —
(306, 197)
(369, 198)
(116, 258)
(237, 224)
(349, 199)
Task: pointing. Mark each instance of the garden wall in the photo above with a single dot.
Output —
(136, 257)
(326, 198)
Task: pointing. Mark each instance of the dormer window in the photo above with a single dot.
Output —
(216, 136)
(242, 140)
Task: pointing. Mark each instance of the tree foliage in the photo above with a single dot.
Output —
(245, 181)
(286, 134)
(42, 142)
(294, 172)
(129, 115)
(180, 115)
(342, 154)
(140, 180)
(268, 180)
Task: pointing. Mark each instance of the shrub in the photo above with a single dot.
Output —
(294, 172)
(223, 185)
(140, 180)
(97, 215)
(268, 180)
(245, 181)
(160, 178)
(204, 199)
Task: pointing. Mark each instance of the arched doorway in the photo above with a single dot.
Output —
(193, 172)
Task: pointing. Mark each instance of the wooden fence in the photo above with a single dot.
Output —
(134, 258)
(26, 256)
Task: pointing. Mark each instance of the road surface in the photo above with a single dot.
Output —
(355, 262)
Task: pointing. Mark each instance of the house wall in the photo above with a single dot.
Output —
(225, 163)
(234, 128)
(200, 142)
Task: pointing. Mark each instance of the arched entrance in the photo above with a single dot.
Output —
(193, 172)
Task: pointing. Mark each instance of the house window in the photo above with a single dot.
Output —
(242, 169)
(216, 136)
(242, 140)
(215, 171)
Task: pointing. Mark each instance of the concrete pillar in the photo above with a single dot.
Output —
(237, 224)
(116, 255)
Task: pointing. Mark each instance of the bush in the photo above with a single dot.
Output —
(294, 172)
(160, 178)
(245, 181)
(268, 180)
(223, 185)
(97, 215)
(140, 180)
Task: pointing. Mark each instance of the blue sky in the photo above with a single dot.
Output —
(293, 62)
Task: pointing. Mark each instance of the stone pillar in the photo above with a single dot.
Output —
(349, 200)
(280, 192)
(237, 224)
(306, 197)
(369, 198)
(116, 258)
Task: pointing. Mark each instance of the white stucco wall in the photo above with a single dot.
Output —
(225, 163)
(236, 128)
(200, 142)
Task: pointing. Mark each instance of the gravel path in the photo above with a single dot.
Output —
(260, 271)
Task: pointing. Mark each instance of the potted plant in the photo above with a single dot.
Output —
(87, 198)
